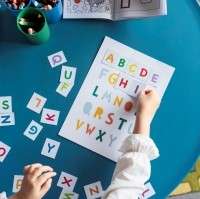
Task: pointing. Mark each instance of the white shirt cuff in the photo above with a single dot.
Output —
(3, 195)
(141, 144)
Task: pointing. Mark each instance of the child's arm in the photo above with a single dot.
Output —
(133, 168)
(36, 183)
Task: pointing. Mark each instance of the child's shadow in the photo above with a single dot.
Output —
(9, 31)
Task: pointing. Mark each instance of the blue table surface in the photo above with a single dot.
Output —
(24, 69)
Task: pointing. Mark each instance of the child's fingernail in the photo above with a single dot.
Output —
(50, 167)
(54, 173)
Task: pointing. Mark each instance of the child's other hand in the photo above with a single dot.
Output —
(37, 181)
(147, 104)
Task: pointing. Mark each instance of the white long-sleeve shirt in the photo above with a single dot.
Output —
(3, 195)
(133, 168)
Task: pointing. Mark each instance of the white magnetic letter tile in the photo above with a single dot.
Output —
(50, 148)
(68, 74)
(65, 194)
(7, 119)
(67, 181)
(33, 130)
(50, 116)
(57, 59)
(6, 104)
(36, 103)
(4, 150)
(64, 88)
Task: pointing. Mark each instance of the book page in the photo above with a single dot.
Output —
(88, 9)
(103, 113)
(139, 8)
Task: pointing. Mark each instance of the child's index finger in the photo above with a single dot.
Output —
(35, 165)
(41, 170)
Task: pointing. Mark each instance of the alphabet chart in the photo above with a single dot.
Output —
(103, 113)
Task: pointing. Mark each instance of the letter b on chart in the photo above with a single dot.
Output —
(148, 192)
(57, 59)
(36, 103)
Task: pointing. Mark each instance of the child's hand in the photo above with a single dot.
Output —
(36, 183)
(147, 104)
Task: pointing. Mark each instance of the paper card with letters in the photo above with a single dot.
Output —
(103, 113)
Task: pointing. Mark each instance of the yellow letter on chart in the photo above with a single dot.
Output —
(113, 78)
(132, 68)
(79, 124)
(98, 112)
(118, 101)
(110, 58)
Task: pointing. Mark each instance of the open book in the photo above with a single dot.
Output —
(113, 9)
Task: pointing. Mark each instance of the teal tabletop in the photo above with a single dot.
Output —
(24, 69)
